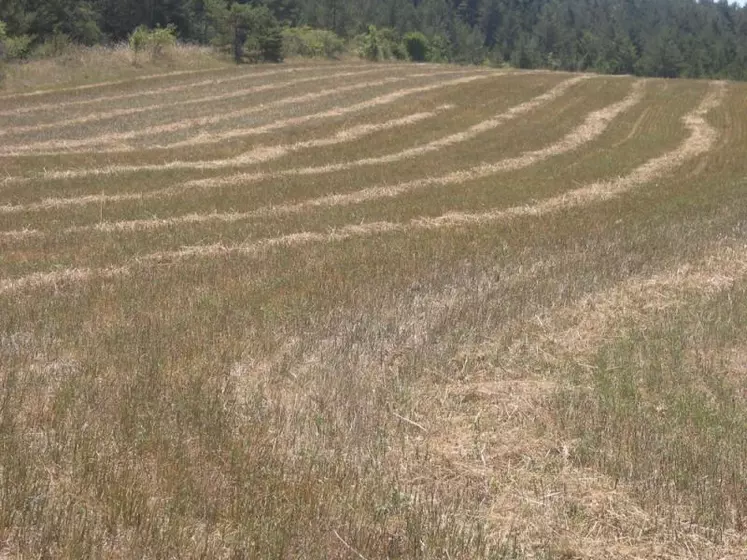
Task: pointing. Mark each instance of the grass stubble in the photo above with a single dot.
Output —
(559, 379)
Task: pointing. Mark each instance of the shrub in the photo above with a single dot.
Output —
(305, 41)
(3, 36)
(18, 47)
(161, 39)
(154, 41)
(270, 40)
(12, 48)
(82, 27)
(139, 39)
(416, 45)
(439, 49)
(380, 44)
(250, 33)
(56, 45)
(2, 51)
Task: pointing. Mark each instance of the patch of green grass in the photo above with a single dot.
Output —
(663, 410)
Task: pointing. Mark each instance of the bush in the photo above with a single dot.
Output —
(56, 45)
(3, 36)
(12, 48)
(156, 42)
(2, 51)
(315, 43)
(250, 33)
(19, 47)
(416, 45)
(439, 49)
(261, 34)
(380, 44)
(270, 40)
(82, 27)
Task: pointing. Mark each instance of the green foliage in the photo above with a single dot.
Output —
(662, 58)
(250, 33)
(439, 48)
(139, 39)
(380, 44)
(369, 46)
(417, 46)
(56, 45)
(526, 55)
(19, 47)
(3, 37)
(82, 26)
(469, 45)
(314, 43)
(155, 42)
(660, 38)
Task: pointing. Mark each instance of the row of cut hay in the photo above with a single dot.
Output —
(257, 155)
(267, 153)
(161, 106)
(37, 93)
(377, 101)
(593, 126)
(155, 150)
(578, 329)
(339, 111)
(444, 142)
(167, 89)
(163, 118)
(98, 144)
(701, 139)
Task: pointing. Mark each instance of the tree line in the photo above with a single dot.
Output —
(666, 38)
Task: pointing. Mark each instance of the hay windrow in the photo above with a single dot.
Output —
(74, 145)
(256, 155)
(244, 76)
(702, 136)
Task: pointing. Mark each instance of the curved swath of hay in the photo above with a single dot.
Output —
(95, 117)
(701, 139)
(107, 84)
(161, 91)
(267, 153)
(592, 127)
(582, 328)
(434, 146)
(332, 113)
(72, 146)
(256, 155)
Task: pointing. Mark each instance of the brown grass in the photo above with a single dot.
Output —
(522, 340)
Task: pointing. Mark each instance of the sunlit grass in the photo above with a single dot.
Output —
(454, 392)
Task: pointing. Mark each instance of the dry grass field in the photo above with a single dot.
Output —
(357, 311)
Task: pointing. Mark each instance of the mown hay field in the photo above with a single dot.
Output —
(374, 311)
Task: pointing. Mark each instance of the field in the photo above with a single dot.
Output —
(374, 311)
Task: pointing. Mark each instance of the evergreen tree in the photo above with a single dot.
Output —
(665, 38)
